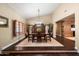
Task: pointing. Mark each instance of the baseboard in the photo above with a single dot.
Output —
(77, 49)
(54, 37)
(0, 52)
(11, 44)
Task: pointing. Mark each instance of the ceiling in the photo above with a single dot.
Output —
(28, 10)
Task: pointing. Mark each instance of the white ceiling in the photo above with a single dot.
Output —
(28, 10)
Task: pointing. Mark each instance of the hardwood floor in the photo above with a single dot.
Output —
(68, 42)
(25, 48)
(53, 53)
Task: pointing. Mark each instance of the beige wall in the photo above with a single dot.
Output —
(6, 33)
(44, 19)
(65, 10)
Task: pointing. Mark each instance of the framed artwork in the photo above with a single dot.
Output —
(3, 21)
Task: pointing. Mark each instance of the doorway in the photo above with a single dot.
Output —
(65, 32)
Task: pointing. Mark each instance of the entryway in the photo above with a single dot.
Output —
(65, 32)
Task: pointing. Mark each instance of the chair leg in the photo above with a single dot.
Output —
(28, 39)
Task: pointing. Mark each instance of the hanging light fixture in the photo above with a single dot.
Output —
(38, 13)
(38, 17)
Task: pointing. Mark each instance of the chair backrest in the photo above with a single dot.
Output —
(39, 28)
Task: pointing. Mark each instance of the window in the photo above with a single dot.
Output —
(18, 28)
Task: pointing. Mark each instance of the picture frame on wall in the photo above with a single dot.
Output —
(3, 21)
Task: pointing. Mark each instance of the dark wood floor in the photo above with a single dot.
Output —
(68, 44)
(40, 51)
(43, 54)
